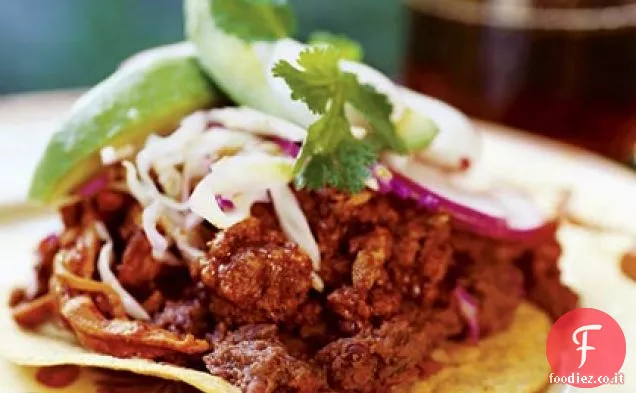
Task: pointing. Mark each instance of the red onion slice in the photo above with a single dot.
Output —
(469, 309)
(93, 186)
(224, 203)
(503, 214)
(290, 148)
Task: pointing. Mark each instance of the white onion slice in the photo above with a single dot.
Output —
(234, 178)
(370, 76)
(131, 305)
(456, 147)
(286, 49)
(444, 184)
(458, 144)
(494, 212)
(258, 123)
(522, 213)
(294, 223)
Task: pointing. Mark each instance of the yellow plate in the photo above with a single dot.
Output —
(603, 195)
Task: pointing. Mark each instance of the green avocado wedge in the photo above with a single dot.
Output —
(234, 65)
(237, 67)
(151, 93)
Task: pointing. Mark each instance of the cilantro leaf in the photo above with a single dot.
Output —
(376, 109)
(254, 20)
(347, 48)
(346, 169)
(314, 84)
(331, 155)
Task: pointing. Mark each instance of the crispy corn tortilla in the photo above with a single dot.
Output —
(510, 361)
(50, 348)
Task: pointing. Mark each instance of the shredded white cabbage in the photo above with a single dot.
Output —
(192, 220)
(149, 219)
(237, 178)
(190, 147)
(110, 155)
(207, 148)
(203, 202)
(102, 232)
(169, 178)
(173, 224)
(259, 123)
(104, 260)
(168, 148)
(189, 252)
(218, 140)
(316, 282)
(232, 162)
(135, 187)
(295, 226)
(294, 223)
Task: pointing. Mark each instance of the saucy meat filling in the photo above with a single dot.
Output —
(396, 282)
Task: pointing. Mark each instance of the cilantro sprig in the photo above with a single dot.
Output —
(331, 154)
(255, 20)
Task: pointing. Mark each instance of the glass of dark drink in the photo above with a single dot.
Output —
(562, 68)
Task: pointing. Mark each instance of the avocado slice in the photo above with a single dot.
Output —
(416, 130)
(150, 93)
(239, 69)
(234, 65)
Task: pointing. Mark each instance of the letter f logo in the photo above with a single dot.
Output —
(583, 344)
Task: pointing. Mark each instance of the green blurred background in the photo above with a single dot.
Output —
(54, 44)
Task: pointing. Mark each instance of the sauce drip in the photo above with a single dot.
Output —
(628, 265)
(57, 377)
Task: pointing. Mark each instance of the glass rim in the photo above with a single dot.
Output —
(504, 14)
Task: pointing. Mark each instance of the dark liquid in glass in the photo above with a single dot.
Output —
(576, 85)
